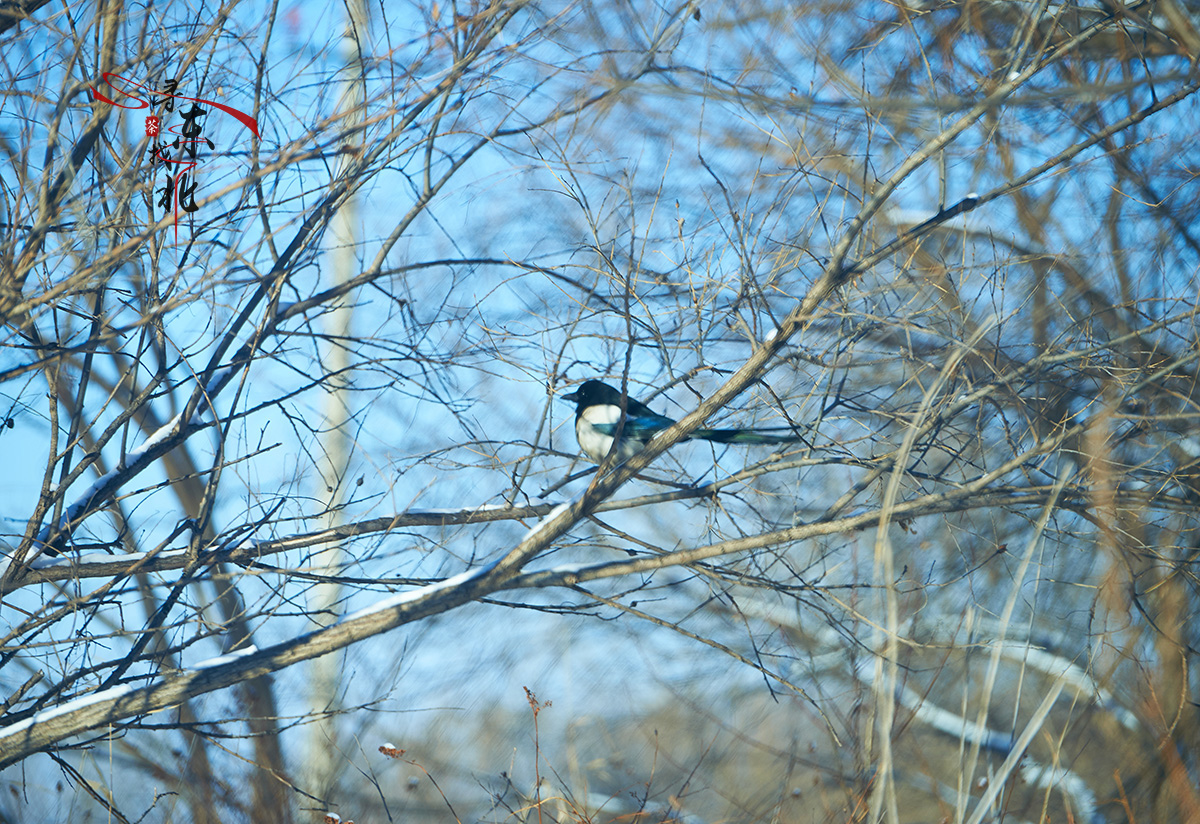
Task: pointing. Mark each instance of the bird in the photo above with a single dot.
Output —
(598, 412)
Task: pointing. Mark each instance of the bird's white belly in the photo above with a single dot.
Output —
(596, 444)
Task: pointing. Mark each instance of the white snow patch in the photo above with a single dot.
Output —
(131, 457)
(554, 513)
(53, 712)
(214, 385)
(567, 569)
(225, 659)
(407, 597)
(460, 510)
(1066, 782)
(84, 559)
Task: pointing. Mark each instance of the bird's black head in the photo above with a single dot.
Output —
(591, 393)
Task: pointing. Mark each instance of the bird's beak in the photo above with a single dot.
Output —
(573, 397)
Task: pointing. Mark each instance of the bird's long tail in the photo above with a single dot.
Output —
(772, 435)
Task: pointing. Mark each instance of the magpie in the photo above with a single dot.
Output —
(598, 411)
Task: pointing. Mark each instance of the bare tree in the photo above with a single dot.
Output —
(951, 248)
